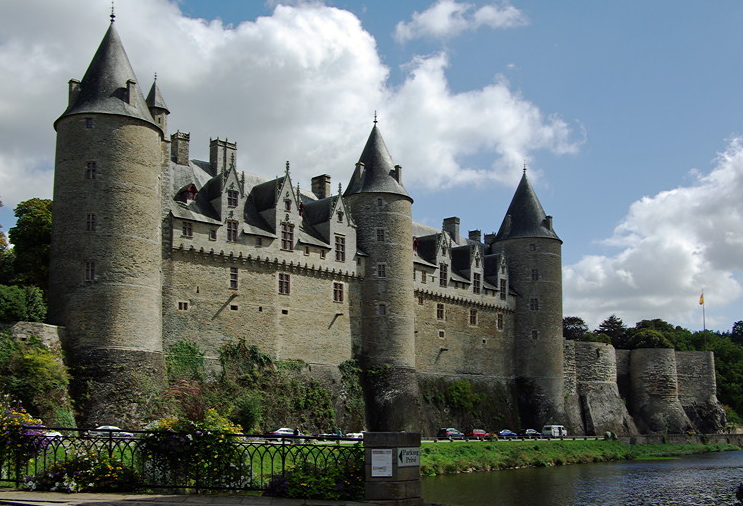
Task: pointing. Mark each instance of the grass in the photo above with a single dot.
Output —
(450, 458)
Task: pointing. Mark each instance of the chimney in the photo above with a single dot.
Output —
(451, 225)
(131, 87)
(490, 238)
(398, 174)
(221, 155)
(474, 235)
(73, 90)
(179, 147)
(548, 222)
(321, 186)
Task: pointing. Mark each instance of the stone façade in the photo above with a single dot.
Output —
(150, 247)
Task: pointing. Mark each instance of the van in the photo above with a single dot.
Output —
(554, 431)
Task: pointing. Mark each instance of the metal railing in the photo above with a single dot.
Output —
(169, 460)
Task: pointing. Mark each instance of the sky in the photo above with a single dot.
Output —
(627, 116)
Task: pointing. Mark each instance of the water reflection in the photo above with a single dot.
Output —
(709, 479)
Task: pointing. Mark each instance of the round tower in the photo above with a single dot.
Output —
(533, 253)
(106, 238)
(381, 209)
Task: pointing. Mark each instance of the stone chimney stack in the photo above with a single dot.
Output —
(74, 91)
(451, 226)
(179, 147)
(321, 186)
(474, 235)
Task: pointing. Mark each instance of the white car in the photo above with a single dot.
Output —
(281, 432)
(109, 431)
(355, 435)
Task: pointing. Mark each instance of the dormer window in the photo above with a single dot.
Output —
(191, 193)
(340, 216)
(232, 196)
(443, 274)
(287, 236)
(415, 245)
(287, 205)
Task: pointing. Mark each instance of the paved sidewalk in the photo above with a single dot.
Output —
(24, 498)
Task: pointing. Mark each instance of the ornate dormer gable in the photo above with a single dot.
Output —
(443, 258)
(495, 271)
(341, 230)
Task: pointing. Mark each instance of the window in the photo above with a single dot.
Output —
(90, 270)
(423, 277)
(322, 253)
(231, 231)
(379, 202)
(476, 282)
(287, 236)
(500, 321)
(443, 250)
(306, 250)
(233, 278)
(233, 307)
(340, 216)
(187, 229)
(287, 205)
(380, 235)
(213, 234)
(340, 248)
(284, 283)
(534, 334)
(443, 274)
(381, 270)
(534, 304)
(442, 334)
(258, 242)
(182, 306)
(473, 316)
(88, 122)
(439, 311)
(534, 274)
(90, 170)
(420, 300)
(232, 196)
(532, 247)
(90, 222)
(381, 309)
(337, 292)
(503, 289)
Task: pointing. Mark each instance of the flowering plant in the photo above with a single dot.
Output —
(21, 436)
(86, 472)
(205, 452)
(307, 481)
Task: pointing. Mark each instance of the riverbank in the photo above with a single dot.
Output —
(451, 458)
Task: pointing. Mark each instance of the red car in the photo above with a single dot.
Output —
(476, 434)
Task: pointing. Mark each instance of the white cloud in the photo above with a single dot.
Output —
(448, 18)
(672, 246)
(301, 85)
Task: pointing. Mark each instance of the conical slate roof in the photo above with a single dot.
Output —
(377, 175)
(103, 89)
(525, 216)
(155, 97)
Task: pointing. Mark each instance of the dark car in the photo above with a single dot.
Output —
(476, 434)
(449, 433)
(506, 433)
(530, 433)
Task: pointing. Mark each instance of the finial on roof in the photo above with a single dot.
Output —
(524, 167)
(339, 188)
(375, 117)
(287, 167)
(113, 13)
(155, 76)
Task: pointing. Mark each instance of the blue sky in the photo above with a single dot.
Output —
(626, 113)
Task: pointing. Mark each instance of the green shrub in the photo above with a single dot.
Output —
(21, 303)
(185, 361)
(330, 483)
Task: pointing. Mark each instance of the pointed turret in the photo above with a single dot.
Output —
(109, 85)
(375, 172)
(525, 216)
(157, 107)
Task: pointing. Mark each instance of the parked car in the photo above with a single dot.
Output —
(449, 433)
(530, 433)
(355, 435)
(476, 434)
(281, 432)
(554, 431)
(506, 433)
(109, 431)
(329, 435)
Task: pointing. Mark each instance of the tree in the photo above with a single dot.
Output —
(573, 327)
(31, 238)
(615, 328)
(649, 338)
(6, 258)
(736, 334)
(21, 303)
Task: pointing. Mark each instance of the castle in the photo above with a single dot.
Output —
(150, 247)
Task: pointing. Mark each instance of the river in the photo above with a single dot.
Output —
(708, 479)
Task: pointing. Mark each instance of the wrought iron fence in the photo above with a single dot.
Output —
(169, 460)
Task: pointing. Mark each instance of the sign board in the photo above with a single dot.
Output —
(408, 457)
(381, 463)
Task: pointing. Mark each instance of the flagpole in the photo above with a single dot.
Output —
(704, 317)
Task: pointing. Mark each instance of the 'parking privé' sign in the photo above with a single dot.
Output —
(408, 457)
